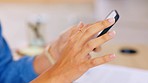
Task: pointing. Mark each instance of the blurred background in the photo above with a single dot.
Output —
(19, 18)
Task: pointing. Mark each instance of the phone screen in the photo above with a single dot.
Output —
(112, 14)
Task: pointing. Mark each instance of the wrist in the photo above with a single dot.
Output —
(41, 63)
(57, 79)
(49, 56)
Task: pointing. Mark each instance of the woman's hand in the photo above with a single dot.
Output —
(58, 44)
(55, 49)
(75, 59)
(41, 62)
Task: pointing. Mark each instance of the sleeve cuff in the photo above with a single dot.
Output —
(27, 70)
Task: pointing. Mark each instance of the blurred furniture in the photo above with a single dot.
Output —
(138, 60)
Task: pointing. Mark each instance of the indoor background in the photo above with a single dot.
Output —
(55, 16)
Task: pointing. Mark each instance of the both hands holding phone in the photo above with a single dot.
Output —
(73, 56)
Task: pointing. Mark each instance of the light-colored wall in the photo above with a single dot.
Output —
(46, 1)
(132, 26)
(14, 18)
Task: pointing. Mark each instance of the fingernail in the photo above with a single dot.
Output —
(112, 56)
(112, 33)
(111, 20)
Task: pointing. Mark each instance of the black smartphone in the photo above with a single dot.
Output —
(112, 14)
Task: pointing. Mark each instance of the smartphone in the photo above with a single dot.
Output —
(112, 14)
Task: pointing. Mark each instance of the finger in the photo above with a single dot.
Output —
(79, 33)
(80, 25)
(90, 45)
(100, 60)
(73, 29)
(76, 33)
(77, 28)
(70, 32)
(77, 36)
(86, 27)
(98, 49)
(94, 29)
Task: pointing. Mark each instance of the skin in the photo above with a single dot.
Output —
(74, 58)
(41, 62)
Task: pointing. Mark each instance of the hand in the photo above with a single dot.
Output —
(57, 45)
(75, 59)
(55, 49)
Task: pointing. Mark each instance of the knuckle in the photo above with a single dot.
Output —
(93, 62)
(103, 60)
(104, 24)
(90, 45)
(106, 59)
(88, 31)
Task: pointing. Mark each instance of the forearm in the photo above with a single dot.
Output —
(49, 77)
(45, 60)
